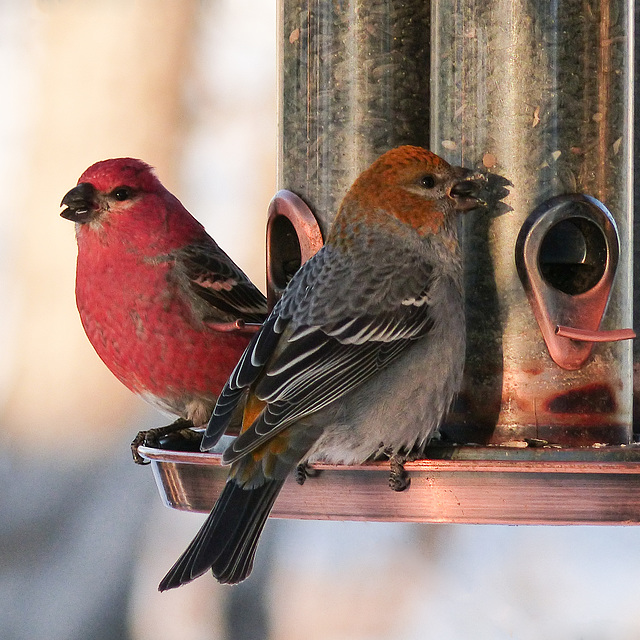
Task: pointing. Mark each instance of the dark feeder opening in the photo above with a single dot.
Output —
(293, 236)
(286, 254)
(573, 255)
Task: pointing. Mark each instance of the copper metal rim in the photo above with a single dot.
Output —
(481, 485)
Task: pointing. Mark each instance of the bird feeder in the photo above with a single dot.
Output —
(540, 94)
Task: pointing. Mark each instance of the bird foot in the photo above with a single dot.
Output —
(399, 479)
(152, 437)
(304, 471)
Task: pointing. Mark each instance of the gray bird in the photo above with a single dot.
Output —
(362, 355)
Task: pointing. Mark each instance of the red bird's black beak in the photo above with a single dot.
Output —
(466, 190)
(80, 203)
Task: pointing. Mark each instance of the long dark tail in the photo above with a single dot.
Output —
(227, 541)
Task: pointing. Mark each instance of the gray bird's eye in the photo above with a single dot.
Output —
(428, 181)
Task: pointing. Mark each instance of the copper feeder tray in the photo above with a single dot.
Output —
(457, 484)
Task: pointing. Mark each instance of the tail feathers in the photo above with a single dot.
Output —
(227, 541)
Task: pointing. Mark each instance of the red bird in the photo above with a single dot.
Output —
(361, 356)
(157, 297)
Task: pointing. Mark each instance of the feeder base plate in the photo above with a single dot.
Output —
(456, 484)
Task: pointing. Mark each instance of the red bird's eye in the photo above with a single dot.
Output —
(122, 193)
(428, 181)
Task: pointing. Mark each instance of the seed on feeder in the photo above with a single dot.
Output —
(489, 160)
(294, 35)
(515, 444)
(536, 117)
(449, 144)
(616, 146)
(536, 442)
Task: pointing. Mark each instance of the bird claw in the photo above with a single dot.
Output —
(399, 479)
(152, 437)
(139, 440)
(304, 471)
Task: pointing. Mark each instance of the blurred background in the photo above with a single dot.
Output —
(190, 87)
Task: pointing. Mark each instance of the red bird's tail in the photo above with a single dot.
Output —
(227, 541)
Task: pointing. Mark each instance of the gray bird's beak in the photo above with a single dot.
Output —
(80, 203)
(466, 190)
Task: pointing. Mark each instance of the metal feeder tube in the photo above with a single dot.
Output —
(540, 93)
(354, 83)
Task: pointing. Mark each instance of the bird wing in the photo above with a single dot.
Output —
(298, 367)
(246, 372)
(214, 278)
(321, 365)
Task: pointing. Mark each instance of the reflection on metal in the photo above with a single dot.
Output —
(498, 485)
(566, 255)
(293, 236)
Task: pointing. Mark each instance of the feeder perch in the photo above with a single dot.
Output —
(539, 94)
